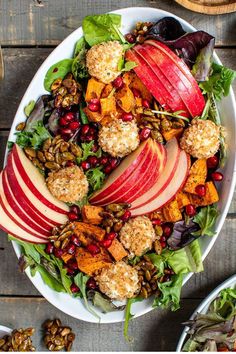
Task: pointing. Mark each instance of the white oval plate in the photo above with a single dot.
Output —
(204, 305)
(130, 16)
(4, 331)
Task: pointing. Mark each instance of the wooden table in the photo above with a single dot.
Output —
(28, 33)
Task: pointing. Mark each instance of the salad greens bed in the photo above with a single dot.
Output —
(185, 256)
(215, 330)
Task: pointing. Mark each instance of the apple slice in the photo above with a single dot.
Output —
(171, 189)
(157, 84)
(173, 152)
(25, 193)
(123, 171)
(36, 182)
(15, 206)
(196, 92)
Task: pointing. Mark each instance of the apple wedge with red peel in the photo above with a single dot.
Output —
(170, 191)
(21, 212)
(11, 213)
(25, 193)
(173, 152)
(198, 102)
(36, 182)
(159, 61)
(123, 171)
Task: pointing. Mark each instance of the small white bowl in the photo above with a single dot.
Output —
(4, 331)
(203, 307)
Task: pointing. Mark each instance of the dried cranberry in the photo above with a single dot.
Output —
(200, 190)
(103, 160)
(125, 217)
(93, 249)
(144, 134)
(107, 169)
(58, 252)
(93, 160)
(145, 103)
(111, 235)
(118, 82)
(85, 129)
(70, 248)
(95, 101)
(217, 176)
(62, 122)
(75, 240)
(74, 288)
(127, 117)
(106, 243)
(136, 92)
(156, 222)
(167, 230)
(72, 216)
(49, 248)
(85, 165)
(190, 210)
(69, 116)
(74, 125)
(212, 162)
(91, 284)
(75, 209)
(130, 38)
(93, 107)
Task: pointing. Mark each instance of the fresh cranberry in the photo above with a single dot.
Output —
(163, 239)
(212, 162)
(70, 271)
(74, 125)
(95, 101)
(103, 160)
(127, 117)
(63, 122)
(156, 222)
(89, 138)
(167, 230)
(70, 248)
(85, 165)
(144, 134)
(49, 248)
(136, 92)
(113, 162)
(85, 129)
(93, 107)
(111, 235)
(72, 216)
(70, 163)
(92, 131)
(58, 252)
(66, 131)
(72, 264)
(75, 209)
(118, 82)
(130, 38)
(74, 288)
(163, 244)
(106, 243)
(91, 284)
(190, 210)
(93, 160)
(217, 176)
(145, 103)
(69, 116)
(125, 217)
(93, 249)
(107, 169)
(75, 240)
(200, 190)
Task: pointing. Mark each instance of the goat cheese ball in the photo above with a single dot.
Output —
(202, 139)
(138, 235)
(119, 281)
(68, 184)
(102, 61)
(119, 138)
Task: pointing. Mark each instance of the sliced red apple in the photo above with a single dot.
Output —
(123, 171)
(35, 181)
(24, 193)
(170, 191)
(196, 92)
(21, 212)
(173, 152)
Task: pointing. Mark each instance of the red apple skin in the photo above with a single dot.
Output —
(20, 161)
(125, 173)
(159, 61)
(173, 153)
(175, 185)
(132, 181)
(150, 80)
(23, 199)
(15, 206)
(198, 96)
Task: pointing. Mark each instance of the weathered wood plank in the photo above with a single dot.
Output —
(23, 23)
(22, 63)
(151, 332)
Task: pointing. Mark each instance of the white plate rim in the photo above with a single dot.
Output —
(5, 330)
(123, 12)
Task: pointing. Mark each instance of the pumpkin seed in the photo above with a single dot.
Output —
(46, 144)
(67, 156)
(52, 165)
(41, 156)
(20, 126)
(30, 152)
(49, 156)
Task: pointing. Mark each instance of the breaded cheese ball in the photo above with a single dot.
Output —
(68, 184)
(119, 281)
(138, 235)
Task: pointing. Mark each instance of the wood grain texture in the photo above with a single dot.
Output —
(212, 7)
(159, 330)
(23, 23)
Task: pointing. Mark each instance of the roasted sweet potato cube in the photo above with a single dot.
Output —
(92, 116)
(91, 214)
(137, 84)
(66, 257)
(88, 230)
(108, 106)
(125, 99)
(90, 264)
(107, 90)
(182, 199)
(210, 197)
(171, 212)
(139, 102)
(172, 133)
(94, 89)
(197, 175)
(117, 250)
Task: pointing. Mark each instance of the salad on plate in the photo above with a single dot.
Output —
(114, 174)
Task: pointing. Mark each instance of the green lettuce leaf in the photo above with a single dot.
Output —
(56, 71)
(34, 138)
(79, 69)
(95, 178)
(87, 151)
(206, 219)
(170, 293)
(29, 108)
(129, 315)
(225, 304)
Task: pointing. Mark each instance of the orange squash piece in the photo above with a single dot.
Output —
(171, 212)
(210, 197)
(91, 231)
(172, 133)
(91, 214)
(197, 175)
(182, 199)
(91, 264)
(92, 116)
(108, 106)
(125, 99)
(94, 89)
(117, 250)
